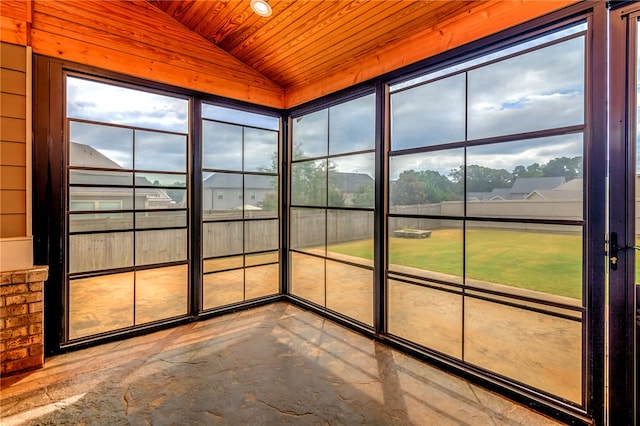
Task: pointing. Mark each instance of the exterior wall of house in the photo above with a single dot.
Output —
(15, 166)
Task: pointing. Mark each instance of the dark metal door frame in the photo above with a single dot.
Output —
(622, 170)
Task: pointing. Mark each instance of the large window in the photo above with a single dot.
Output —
(127, 207)
(240, 206)
(332, 201)
(485, 218)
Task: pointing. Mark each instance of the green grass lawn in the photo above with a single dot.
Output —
(546, 262)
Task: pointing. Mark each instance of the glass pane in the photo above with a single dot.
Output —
(307, 230)
(96, 101)
(100, 304)
(545, 261)
(527, 44)
(100, 222)
(161, 293)
(350, 236)
(222, 288)
(159, 198)
(100, 146)
(231, 115)
(260, 196)
(222, 264)
(161, 151)
(427, 248)
(427, 316)
(351, 182)
(309, 183)
(221, 146)
(536, 349)
(350, 291)
(427, 115)
(308, 277)
(96, 252)
(162, 219)
(261, 235)
(541, 89)
(167, 245)
(536, 178)
(83, 198)
(222, 196)
(161, 179)
(100, 178)
(262, 258)
(262, 281)
(221, 238)
(310, 135)
(426, 184)
(352, 125)
(260, 150)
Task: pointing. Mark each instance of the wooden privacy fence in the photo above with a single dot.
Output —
(309, 228)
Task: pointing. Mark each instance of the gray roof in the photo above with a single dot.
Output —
(525, 186)
(230, 180)
(349, 182)
(572, 185)
(555, 194)
(87, 156)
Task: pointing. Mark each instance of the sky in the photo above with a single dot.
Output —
(537, 90)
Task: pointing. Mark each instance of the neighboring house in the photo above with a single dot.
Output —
(349, 184)
(495, 194)
(103, 191)
(520, 190)
(224, 191)
(571, 190)
(525, 186)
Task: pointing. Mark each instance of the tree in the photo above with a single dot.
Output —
(364, 195)
(310, 184)
(439, 188)
(481, 179)
(532, 170)
(569, 168)
(408, 189)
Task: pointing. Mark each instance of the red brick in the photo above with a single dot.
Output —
(34, 297)
(37, 286)
(13, 289)
(13, 310)
(23, 342)
(3, 346)
(36, 275)
(5, 278)
(15, 299)
(35, 328)
(35, 307)
(13, 333)
(23, 320)
(36, 350)
(1, 300)
(1, 323)
(29, 363)
(13, 354)
(19, 277)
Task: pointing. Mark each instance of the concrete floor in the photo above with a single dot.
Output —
(273, 365)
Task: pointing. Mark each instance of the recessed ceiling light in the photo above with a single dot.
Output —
(261, 7)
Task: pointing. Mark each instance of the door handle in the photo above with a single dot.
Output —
(614, 249)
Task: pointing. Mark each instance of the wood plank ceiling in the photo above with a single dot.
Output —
(304, 41)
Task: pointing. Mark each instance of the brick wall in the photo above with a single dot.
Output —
(21, 320)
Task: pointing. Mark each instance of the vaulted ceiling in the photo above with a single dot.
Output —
(303, 41)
